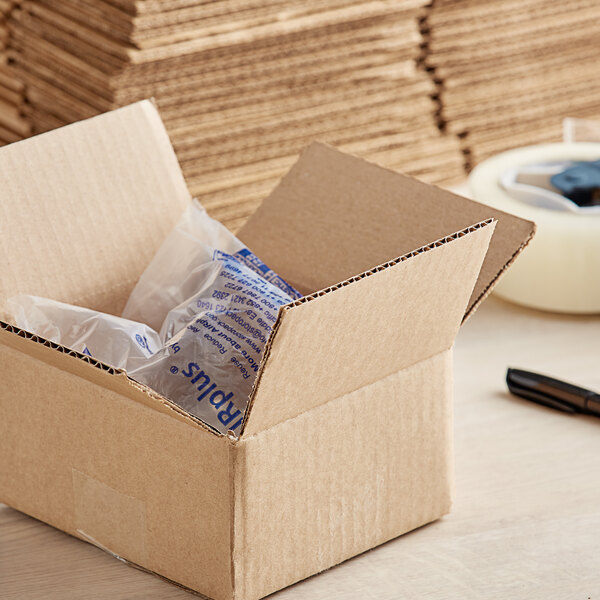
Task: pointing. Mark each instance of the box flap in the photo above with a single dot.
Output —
(84, 208)
(87, 367)
(334, 215)
(364, 329)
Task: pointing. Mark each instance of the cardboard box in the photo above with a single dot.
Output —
(348, 439)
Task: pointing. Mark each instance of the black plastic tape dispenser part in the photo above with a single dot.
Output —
(580, 183)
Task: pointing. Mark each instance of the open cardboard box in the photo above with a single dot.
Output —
(347, 442)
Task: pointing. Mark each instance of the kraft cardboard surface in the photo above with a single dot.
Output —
(113, 471)
(306, 363)
(344, 477)
(270, 74)
(86, 367)
(536, 65)
(13, 125)
(231, 61)
(313, 214)
(83, 211)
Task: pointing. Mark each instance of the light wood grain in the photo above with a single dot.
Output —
(526, 519)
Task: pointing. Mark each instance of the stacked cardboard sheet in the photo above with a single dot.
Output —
(242, 85)
(511, 70)
(13, 126)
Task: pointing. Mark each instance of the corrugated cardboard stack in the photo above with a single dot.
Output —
(13, 126)
(512, 69)
(242, 85)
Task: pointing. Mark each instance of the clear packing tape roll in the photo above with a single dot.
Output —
(560, 270)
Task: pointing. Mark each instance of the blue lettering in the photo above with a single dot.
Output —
(190, 370)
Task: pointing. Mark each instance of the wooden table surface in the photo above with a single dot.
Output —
(526, 518)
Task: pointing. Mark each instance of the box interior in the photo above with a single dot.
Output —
(84, 209)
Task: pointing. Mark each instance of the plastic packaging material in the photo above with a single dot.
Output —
(186, 262)
(113, 340)
(215, 342)
(215, 304)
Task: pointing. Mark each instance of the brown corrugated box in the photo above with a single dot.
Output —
(348, 439)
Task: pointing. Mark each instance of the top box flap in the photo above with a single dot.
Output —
(334, 215)
(367, 328)
(84, 208)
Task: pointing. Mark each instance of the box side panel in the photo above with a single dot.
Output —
(101, 466)
(90, 369)
(359, 333)
(84, 208)
(343, 478)
(334, 215)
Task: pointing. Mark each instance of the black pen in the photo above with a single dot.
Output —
(553, 392)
